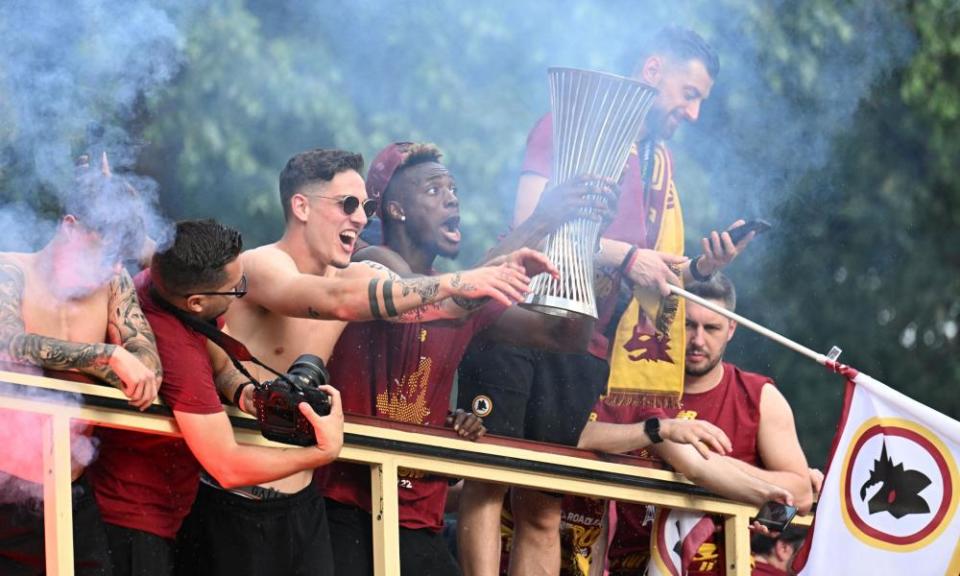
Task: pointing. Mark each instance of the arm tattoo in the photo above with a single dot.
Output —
(228, 381)
(427, 288)
(128, 326)
(391, 275)
(372, 295)
(462, 301)
(388, 299)
(17, 345)
(469, 304)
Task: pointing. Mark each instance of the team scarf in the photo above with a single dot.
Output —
(646, 362)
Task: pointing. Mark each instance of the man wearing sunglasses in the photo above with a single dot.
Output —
(301, 291)
(146, 484)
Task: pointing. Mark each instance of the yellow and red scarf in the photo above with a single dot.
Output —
(646, 361)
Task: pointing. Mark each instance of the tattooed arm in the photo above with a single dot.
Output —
(229, 380)
(106, 361)
(364, 292)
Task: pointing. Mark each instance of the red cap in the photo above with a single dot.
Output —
(382, 169)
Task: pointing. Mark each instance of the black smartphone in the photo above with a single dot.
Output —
(776, 516)
(758, 226)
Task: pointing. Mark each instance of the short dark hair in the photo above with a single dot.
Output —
(717, 288)
(683, 44)
(311, 166)
(195, 260)
(763, 544)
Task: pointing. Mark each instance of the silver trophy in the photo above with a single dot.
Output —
(596, 119)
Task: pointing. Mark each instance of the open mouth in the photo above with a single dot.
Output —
(451, 229)
(348, 238)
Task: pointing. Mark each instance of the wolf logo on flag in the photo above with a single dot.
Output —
(889, 500)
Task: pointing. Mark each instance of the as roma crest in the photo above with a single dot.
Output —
(897, 485)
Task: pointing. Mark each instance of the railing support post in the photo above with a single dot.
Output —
(736, 537)
(57, 496)
(386, 518)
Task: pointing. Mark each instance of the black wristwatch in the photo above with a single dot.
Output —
(651, 427)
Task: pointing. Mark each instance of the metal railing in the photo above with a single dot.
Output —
(385, 450)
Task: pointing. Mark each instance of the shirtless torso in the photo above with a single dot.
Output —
(49, 323)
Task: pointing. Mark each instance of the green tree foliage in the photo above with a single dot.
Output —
(836, 120)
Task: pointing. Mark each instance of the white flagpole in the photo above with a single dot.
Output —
(783, 340)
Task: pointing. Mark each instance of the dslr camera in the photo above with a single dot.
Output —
(277, 401)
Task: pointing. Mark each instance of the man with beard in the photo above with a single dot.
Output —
(71, 307)
(747, 407)
(302, 290)
(145, 483)
(405, 372)
(548, 397)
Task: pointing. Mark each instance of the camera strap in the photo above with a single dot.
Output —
(234, 348)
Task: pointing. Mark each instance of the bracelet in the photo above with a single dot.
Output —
(628, 260)
(238, 393)
(697, 275)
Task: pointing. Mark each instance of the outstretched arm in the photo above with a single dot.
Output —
(109, 362)
(364, 292)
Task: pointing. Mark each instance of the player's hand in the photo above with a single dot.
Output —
(651, 269)
(467, 424)
(583, 196)
(327, 429)
(139, 383)
(719, 251)
(506, 283)
(701, 434)
(531, 262)
(246, 400)
(816, 481)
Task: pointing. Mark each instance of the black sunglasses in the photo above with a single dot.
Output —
(349, 204)
(240, 291)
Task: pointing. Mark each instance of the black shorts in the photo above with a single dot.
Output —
(138, 553)
(226, 534)
(422, 552)
(530, 394)
(22, 549)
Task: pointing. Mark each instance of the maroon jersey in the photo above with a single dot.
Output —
(629, 224)
(403, 372)
(764, 569)
(147, 481)
(734, 407)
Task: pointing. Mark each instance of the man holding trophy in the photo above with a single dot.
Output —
(636, 352)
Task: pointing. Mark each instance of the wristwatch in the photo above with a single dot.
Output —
(651, 427)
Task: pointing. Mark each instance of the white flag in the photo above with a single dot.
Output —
(889, 501)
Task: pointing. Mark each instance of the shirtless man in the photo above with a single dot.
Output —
(71, 307)
(303, 289)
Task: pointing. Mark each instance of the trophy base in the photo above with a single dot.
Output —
(555, 306)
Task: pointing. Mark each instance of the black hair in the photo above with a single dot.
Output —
(717, 288)
(314, 165)
(195, 261)
(683, 44)
(763, 545)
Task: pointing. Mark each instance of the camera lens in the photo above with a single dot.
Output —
(310, 370)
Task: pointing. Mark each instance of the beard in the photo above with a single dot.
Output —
(701, 369)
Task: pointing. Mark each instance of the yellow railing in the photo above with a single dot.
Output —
(385, 450)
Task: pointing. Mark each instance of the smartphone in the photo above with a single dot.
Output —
(776, 516)
(758, 226)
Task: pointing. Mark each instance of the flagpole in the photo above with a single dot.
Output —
(780, 339)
